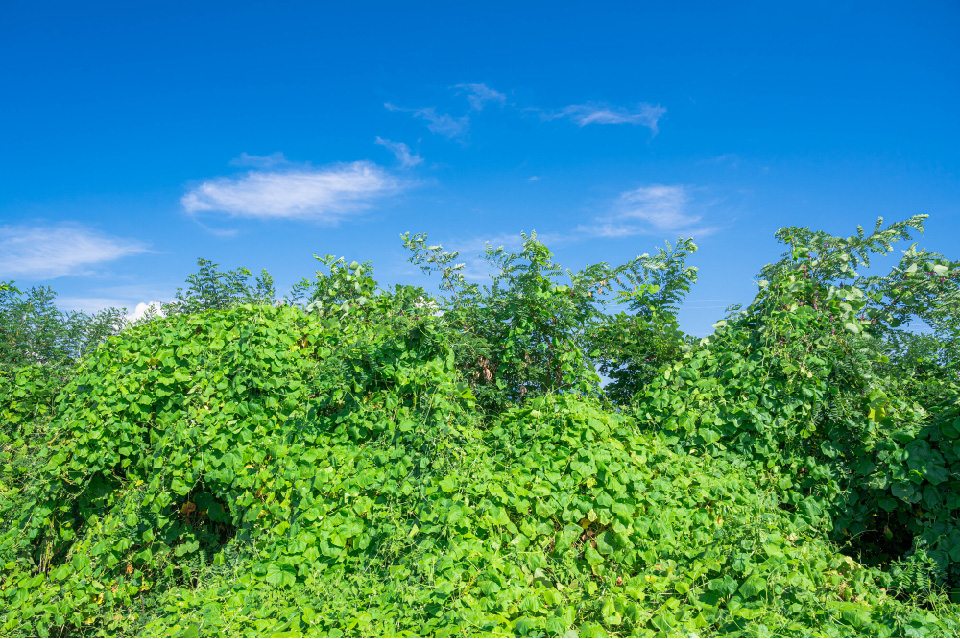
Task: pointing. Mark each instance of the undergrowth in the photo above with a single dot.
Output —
(357, 465)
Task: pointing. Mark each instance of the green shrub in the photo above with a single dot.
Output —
(335, 466)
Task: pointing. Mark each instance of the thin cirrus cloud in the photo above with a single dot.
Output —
(651, 210)
(41, 252)
(321, 194)
(451, 127)
(440, 123)
(644, 114)
(401, 151)
(479, 94)
(260, 161)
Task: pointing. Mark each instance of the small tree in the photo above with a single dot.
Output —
(632, 346)
(528, 334)
(522, 335)
(211, 288)
(34, 331)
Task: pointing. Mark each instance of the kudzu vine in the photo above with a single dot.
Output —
(358, 461)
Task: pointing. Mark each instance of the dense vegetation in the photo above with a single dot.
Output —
(357, 461)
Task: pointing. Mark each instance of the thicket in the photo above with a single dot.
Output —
(358, 461)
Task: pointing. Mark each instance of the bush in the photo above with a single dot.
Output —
(336, 465)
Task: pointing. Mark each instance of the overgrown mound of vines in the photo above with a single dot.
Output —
(261, 470)
(257, 435)
(355, 462)
(802, 382)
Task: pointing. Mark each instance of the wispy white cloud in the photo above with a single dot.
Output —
(54, 251)
(446, 125)
(213, 230)
(324, 194)
(650, 210)
(479, 94)
(260, 161)
(663, 206)
(645, 114)
(401, 150)
(728, 159)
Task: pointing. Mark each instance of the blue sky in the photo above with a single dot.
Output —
(137, 137)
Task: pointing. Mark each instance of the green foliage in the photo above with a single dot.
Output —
(387, 465)
(631, 348)
(527, 334)
(923, 365)
(333, 293)
(801, 383)
(548, 536)
(918, 575)
(34, 331)
(210, 288)
(659, 282)
(519, 337)
(177, 453)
